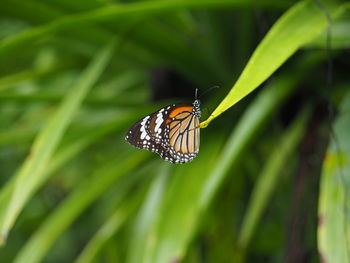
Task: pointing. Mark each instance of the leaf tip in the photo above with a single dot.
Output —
(203, 124)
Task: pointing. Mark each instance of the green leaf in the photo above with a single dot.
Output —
(10, 80)
(269, 178)
(141, 242)
(298, 26)
(65, 154)
(340, 36)
(87, 192)
(170, 235)
(115, 13)
(334, 199)
(112, 225)
(33, 169)
(249, 126)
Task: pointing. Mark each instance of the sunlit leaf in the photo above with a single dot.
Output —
(297, 27)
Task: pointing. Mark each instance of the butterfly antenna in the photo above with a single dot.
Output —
(196, 93)
(214, 87)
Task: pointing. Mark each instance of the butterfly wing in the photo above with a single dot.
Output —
(182, 134)
(172, 132)
(138, 135)
(147, 133)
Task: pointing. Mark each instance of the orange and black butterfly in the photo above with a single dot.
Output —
(172, 132)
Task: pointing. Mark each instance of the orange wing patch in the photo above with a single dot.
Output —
(178, 110)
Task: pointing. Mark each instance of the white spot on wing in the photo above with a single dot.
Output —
(143, 128)
(159, 120)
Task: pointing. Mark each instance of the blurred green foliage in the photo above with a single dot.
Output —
(75, 75)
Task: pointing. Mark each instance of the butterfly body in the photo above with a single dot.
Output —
(172, 132)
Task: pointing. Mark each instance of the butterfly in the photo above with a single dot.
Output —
(172, 132)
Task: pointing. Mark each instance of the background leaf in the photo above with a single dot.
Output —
(334, 223)
(89, 190)
(269, 178)
(29, 175)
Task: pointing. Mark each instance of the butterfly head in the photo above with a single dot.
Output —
(196, 108)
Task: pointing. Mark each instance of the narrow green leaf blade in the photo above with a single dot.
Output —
(172, 233)
(110, 228)
(269, 178)
(29, 175)
(334, 200)
(141, 245)
(87, 192)
(114, 12)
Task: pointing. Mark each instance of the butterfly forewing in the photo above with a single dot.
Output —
(183, 136)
